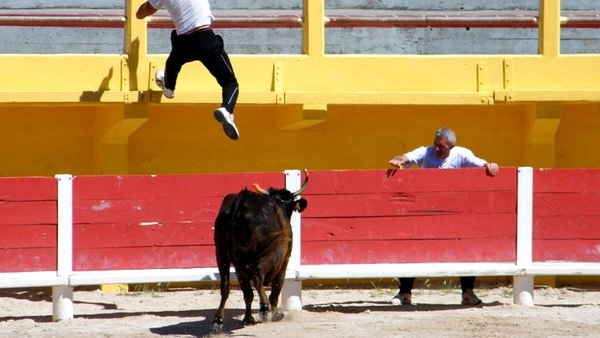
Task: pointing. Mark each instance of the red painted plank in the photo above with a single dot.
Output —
(170, 186)
(144, 258)
(563, 204)
(143, 209)
(566, 180)
(566, 250)
(408, 251)
(27, 236)
(424, 204)
(409, 227)
(28, 212)
(14, 189)
(139, 222)
(125, 235)
(27, 259)
(27, 224)
(566, 227)
(409, 181)
(168, 198)
(566, 215)
(28, 200)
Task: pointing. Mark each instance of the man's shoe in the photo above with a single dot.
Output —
(159, 77)
(469, 298)
(402, 299)
(226, 119)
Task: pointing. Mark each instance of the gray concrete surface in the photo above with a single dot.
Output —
(359, 40)
(295, 4)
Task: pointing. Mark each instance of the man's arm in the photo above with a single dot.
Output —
(399, 161)
(145, 10)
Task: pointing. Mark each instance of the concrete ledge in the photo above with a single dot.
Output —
(294, 18)
(292, 97)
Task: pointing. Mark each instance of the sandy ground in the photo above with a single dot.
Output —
(331, 312)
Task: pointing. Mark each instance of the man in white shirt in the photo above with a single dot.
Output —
(194, 40)
(443, 154)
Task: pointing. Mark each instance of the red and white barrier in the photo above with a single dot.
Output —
(90, 230)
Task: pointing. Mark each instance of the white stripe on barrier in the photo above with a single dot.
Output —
(62, 295)
(407, 270)
(291, 293)
(65, 225)
(145, 276)
(9, 280)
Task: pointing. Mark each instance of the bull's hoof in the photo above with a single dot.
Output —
(218, 326)
(269, 316)
(249, 320)
(277, 316)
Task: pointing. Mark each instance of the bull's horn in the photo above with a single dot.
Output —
(303, 187)
(259, 189)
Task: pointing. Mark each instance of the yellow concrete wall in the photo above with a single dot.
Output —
(104, 114)
(187, 139)
(47, 140)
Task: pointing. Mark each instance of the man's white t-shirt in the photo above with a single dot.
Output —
(186, 14)
(459, 157)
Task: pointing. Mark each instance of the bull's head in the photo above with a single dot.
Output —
(286, 198)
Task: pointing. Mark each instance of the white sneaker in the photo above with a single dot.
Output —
(226, 119)
(402, 299)
(159, 77)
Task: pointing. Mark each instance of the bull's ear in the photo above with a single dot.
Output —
(300, 205)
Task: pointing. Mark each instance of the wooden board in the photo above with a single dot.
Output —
(368, 216)
(566, 215)
(407, 251)
(28, 219)
(141, 222)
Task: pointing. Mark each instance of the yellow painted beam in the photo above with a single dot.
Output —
(308, 115)
(556, 95)
(71, 79)
(115, 142)
(549, 29)
(541, 149)
(390, 98)
(67, 96)
(313, 27)
(114, 288)
(294, 97)
(136, 38)
(202, 97)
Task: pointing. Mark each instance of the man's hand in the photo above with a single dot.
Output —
(145, 10)
(398, 161)
(491, 169)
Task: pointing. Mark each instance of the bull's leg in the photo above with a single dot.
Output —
(248, 298)
(224, 268)
(276, 286)
(265, 309)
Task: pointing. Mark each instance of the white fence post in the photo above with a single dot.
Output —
(62, 296)
(523, 285)
(291, 294)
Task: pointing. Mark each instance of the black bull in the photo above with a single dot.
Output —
(253, 232)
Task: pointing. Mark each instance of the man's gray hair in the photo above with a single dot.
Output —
(448, 134)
